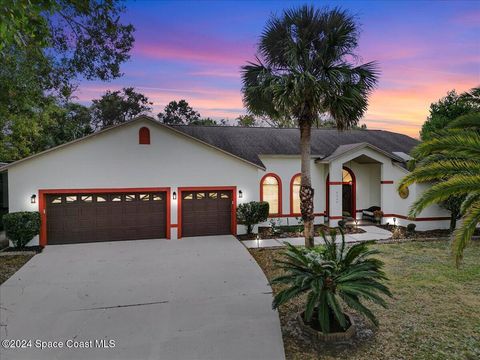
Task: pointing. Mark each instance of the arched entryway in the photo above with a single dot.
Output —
(348, 193)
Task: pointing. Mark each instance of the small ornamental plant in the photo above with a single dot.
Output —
(332, 277)
(252, 213)
(21, 227)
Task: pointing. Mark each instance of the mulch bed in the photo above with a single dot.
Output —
(9, 265)
(294, 231)
(27, 249)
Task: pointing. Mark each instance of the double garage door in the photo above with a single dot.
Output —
(80, 218)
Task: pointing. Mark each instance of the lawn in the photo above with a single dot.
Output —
(10, 264)
(435, 312)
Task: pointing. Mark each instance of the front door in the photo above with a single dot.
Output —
(347, 208)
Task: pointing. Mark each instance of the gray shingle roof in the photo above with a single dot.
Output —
(248, 143)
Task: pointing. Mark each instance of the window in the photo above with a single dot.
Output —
(116, 198)
(101, 199)
(224, 196)
(57, 200)
(188, 196)
(70, 199)
(346, 176)
(130, 197)
(270, 191)
(144, 197)
(212, 195)
(200, 196)
(295, 194)
(157, 197)
(144, 136)
(87, 198)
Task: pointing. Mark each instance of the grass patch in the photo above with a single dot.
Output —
(435, 312)
(10, 264)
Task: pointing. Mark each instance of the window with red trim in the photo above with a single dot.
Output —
(295, 194)
(270, 192)
(144, 136)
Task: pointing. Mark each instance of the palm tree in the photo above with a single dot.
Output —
(331, 277)
(451, 159)
(306, 67)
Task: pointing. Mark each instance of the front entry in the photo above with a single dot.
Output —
(347, 206)
(348, 193)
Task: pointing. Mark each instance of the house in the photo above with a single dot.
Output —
(143, 179)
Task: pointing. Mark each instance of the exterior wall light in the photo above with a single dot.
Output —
(174, 195)
(240, 194)
(33, 199)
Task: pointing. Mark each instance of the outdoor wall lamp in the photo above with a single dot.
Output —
(33, 199)
(240, 194)
(174, 195)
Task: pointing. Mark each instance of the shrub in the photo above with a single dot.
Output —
(411, 228)
(252, 213)
(21, 227)
(332, 277)
(3, 211)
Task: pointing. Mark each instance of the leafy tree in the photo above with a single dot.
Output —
(331, 278)
(447, 109)
(305, 70)
(116, 107)
(246, 121)
(178, 113)
(451, 160)
(70, 38)
(208, 122)
(442, 114)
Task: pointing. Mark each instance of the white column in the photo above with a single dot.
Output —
(335, 193)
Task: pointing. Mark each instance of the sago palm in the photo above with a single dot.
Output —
(451, 159)
(306, 68)
(332, 277)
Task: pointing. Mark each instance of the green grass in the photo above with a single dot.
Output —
(435, 312)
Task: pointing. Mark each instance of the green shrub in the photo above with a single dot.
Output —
(252, 213)
(21, 227)
(3, 211)
(333, 278)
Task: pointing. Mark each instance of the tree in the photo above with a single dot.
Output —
(208, 122)
(116, 107)
(246, 121)
(69, 38)
(178, 113)
(304, 70)
(451, 160)
(447, 109)
(442, 115)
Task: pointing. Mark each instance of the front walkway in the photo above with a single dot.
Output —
(371, 233)
(195, 298)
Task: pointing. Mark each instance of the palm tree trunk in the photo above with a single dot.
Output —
(306, 190)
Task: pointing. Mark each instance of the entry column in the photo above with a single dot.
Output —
(335, 193)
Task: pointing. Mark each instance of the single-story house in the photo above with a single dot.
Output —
(143, 179)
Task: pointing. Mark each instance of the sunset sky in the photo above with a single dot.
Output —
(194, 51)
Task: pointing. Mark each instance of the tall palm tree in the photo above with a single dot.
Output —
(451, 159)
(307, 67)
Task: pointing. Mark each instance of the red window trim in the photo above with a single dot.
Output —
(279, 181)
(291, 193)
(233, 189)
(354, 193)
(42, 203)
(144, 136)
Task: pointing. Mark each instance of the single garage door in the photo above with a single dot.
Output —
(206, 213)
(80, 218)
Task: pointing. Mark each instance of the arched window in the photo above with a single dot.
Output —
(144, 136)
(295, 194)
(346, 176)
(271, 192)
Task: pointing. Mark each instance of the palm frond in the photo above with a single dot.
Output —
(464, 233)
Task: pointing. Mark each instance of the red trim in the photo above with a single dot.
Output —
(291, 193)
(294, 215)
(174, 225)
(417, 219)
(354, 192)
(42, 203)
(280, 208)
(233, 189)
(144, 136)
(386, 182)
(335, 217)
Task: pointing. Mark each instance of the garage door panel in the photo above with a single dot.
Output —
(78, 218)
(206, 213)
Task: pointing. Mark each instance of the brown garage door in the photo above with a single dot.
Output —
(206, 213)
(80, 218)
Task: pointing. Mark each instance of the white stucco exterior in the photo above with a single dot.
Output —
(115, 159)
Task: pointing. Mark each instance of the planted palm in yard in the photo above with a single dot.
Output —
(333, 277)
(451, 158)
(306, 70)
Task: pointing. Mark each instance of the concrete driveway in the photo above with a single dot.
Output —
(195, 298)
